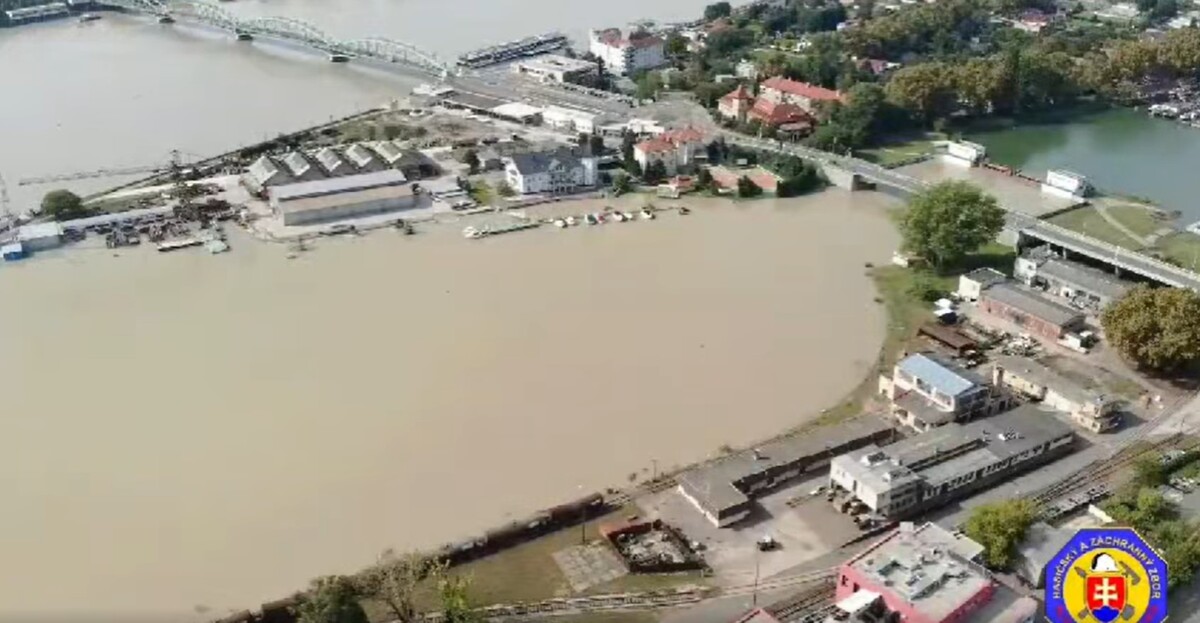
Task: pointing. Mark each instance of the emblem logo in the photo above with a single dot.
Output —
(1106, 575)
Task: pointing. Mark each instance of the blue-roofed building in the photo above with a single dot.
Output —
(927, 390)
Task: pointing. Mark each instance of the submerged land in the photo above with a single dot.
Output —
(237, 427)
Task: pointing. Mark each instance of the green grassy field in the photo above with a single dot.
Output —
(1183, 248)
(900, 151)
(1089, 222)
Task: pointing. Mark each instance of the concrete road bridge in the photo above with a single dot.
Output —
(294, 31)
(1026, 230)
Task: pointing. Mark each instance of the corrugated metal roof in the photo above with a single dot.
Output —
(289, 192)
(35, 231)
(1086, 278)
(1035, 305)
(944, 376)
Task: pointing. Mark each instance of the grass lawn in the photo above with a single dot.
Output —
(1089, 222)
(1182, 247)
(1139, 220)
(906, 312)
(528, 572)
(482, 193)
(901, 151)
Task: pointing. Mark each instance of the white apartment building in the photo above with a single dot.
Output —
(555, 172)
(623, 55)
(678, 150)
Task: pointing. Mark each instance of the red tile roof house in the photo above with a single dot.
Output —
(805, 95)
(676, 149)
(736, 103)
(774, 114)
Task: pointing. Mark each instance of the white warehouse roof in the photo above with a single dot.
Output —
(337, 185)
(516, 110)
(38, 231)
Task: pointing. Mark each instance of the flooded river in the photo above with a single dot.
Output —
(190, 430)
(125, 91)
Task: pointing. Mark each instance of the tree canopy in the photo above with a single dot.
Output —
(1155, 328)
(62, 205)
(395, 581)
(949, 221)
(999, 527)
(331, 599)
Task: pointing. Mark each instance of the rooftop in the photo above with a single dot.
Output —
(34, 231)
(802, 89)
(740, 93)
(557, 62)
(1042, 541)
(330, 160)
(953, 450)
(297, 164)
(360, 195)
(773, 113)
(539, 162)
(716, 484)
(943, 375)
(986, 276)
(1039, 373)
(516, 110)
(337, 185)
(1033, 304)
(359, 155)
(1085, 277)
(263, 170)
(920, 566)
(387, 150)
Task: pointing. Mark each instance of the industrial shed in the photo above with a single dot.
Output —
(343, 197)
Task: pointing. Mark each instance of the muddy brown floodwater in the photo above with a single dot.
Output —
(185, 429)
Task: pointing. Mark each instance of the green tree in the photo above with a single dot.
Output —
(1179, 544)
(950, 220)
(454, 593)
(649, 84)
(926, 90)
(747, 188)
(717, 10)
(62, 205)
(504, 190)
(395, 581)
(621, 183)
(596, 144)
(676, 45)
(471, 159)
(332, 599)
(999, 527)
(1149, 471)
(1155, 328)
(656, 172)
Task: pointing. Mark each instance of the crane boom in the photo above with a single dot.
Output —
(83, 175)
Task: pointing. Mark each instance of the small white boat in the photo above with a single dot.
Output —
(216, 245)
(620, 217)
(591, 219)
(571, 221)
(628, 215)
(559, 223)
(647, 215)
(88, 17)
(472, 233)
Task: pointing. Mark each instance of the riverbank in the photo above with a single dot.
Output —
(513, 361)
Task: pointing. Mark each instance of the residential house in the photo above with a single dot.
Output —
(876, 66)
(926, 390)
(624, 55)
(807, 96)
(736, 103)
(1031, 312)
(746, 69)
(780, 114)
(678, 150)
(554, 172)
(1090, 409)
(1033, 21)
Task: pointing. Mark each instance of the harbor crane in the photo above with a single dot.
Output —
(174, 164)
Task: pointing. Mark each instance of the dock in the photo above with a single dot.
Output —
(175, 245)
(473, 233)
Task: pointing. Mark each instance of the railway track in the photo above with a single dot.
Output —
(805, 607)
(1091, 482)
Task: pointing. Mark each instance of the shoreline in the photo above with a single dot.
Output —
(722, 310)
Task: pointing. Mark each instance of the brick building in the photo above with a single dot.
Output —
(1033, 313)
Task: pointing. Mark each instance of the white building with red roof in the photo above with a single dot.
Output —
(626, 54)
(805, 95)
(736, 103)
(676, 149)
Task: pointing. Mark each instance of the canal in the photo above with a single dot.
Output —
(1121, 151)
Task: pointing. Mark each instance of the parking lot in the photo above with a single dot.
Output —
(808, 529)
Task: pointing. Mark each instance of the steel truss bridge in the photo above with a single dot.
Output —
(291, 30)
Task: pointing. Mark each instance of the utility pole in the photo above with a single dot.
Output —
(754, 598)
